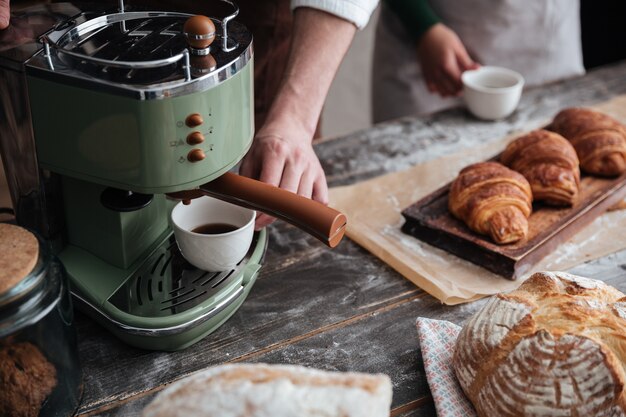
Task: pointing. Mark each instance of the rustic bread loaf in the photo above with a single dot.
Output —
(260, 390)
(554, 347)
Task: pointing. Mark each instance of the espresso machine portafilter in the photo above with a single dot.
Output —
(108, 114)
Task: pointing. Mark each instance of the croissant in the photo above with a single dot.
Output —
(549, 163)
(492, 200)
(599, 140)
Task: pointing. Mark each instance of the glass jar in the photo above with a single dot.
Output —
(40, 373)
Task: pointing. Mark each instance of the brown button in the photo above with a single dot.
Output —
(195, 138)
(196, 155)
(194, 120)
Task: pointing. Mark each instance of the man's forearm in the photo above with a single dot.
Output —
(319, 43)
(4, 13)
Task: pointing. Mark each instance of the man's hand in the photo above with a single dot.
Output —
(282, 153)
(288, 163)
(443, 58)
(5, 12)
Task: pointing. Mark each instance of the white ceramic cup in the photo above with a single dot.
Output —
(212, 252)
(492, 93)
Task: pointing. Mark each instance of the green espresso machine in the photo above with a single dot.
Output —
(104, 112)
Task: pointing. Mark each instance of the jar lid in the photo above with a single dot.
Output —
(29, 281)
(19, 251)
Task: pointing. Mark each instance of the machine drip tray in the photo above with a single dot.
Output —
(167, 284)
(166, 303)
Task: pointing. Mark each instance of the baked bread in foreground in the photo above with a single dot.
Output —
(492, 200)
(599, 140)
(260, 390)
(549, 162)
(554, 347)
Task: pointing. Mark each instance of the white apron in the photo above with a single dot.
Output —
(538, 38)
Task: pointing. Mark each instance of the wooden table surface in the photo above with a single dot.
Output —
(340, 309)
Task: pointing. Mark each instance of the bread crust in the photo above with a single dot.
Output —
(255, 390)
(599, 140)
(554, 347)
(549, 162)
(492, 200)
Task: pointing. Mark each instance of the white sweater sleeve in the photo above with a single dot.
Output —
(355, 11)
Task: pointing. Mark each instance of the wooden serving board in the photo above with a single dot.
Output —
(429, 220)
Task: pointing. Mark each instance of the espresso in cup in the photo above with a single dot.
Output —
(211, 234)
(214, 228)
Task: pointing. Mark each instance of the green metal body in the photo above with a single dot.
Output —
(95, 130)
(118, 238)
(140, 145)
(95, 140)
(97, 282)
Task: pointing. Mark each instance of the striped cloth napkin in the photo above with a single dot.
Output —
(437, 340)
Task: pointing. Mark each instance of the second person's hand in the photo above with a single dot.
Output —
(443, 59)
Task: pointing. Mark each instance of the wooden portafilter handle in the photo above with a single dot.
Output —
(322, 222)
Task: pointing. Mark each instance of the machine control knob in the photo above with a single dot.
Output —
(194, 120)
(199, 31)
(195, 138)
(196, 155)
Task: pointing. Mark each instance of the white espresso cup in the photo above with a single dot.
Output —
(213, 235)
(492, 93)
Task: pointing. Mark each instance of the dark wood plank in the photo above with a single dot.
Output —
(363, 345)
(332, 349)
(385, 341)
(423, 407)
(295, 296)
(430, 220)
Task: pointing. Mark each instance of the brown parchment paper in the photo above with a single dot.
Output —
(373, 208)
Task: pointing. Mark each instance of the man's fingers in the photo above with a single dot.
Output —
(263, 220)
(291, 176)
(5, 14)
(320, 190)
(305, 188)
(271, 171)
(248, 167)
(287, 164)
